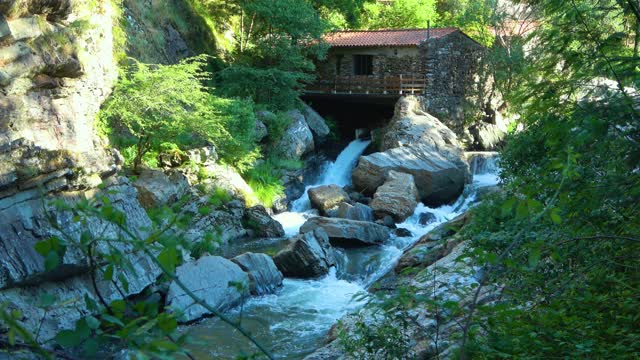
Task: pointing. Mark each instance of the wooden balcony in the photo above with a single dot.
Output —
(389, 85)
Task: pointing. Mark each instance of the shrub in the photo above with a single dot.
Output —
(156, 104)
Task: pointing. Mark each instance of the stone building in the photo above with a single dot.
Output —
(443, 64)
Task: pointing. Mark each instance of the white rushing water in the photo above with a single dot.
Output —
(294, 321)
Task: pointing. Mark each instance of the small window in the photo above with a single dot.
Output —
(362, 64)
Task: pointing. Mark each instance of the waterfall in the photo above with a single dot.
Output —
(337, 172)
(294, 321)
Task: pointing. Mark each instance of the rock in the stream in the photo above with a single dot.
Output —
(209, 278)
(357, 211)
(348, 232)
(326, 197)
(297, 139)
(438, 179)
(402, 232)
(309, 255)
(262, 223)
(397, 197)
(426, 218)
(155, 188)
(264, 276)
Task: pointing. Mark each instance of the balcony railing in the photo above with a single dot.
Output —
(374, 85)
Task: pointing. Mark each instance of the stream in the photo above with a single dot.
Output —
(294, 321)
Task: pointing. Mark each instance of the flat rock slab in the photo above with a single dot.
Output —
(208, 278)
(344, 232)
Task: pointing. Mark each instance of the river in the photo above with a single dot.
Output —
(294, 321)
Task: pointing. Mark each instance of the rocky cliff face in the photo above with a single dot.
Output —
(56, 69)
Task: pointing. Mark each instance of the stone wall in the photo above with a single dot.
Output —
(386, 61)
(458, 84)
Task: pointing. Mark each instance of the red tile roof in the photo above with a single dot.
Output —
(400, 37)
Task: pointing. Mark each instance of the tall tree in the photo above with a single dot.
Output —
(399, 14)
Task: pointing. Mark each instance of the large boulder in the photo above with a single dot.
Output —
(412, 125)
(327, 197)
(155, 188)
(438, 179)
(397, 197)
(262, 223)
(309, 255)
(297, 139)
(346, 232)
(316, 123)
(358, 211)
(264, 276)
(208, 278)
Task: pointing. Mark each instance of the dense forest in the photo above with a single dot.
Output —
(554, 252)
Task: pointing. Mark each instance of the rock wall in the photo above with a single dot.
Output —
(56, 69)
(458, 83)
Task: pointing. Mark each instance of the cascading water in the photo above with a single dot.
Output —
(294, 321)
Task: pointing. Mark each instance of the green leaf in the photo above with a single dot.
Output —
(68, 338)
(90, 348)
(51, 261)
(43, 247)
(112, 319)
(108, 273)
(507, 207)
(534, 256)
(554, 214)
(92, 322)
(168, 259)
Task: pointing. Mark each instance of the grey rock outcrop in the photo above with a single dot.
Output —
(155, 188)
(397, 197)
(23, 278)
(316, 123)
(309, 255)
(438, 179)
(227, 220)
(208, 278)
(346, 232)
(327, 197)
(262, 223)
(489, 135)
(264, 276)
(297, 139)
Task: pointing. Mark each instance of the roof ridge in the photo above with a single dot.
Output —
(393, 30)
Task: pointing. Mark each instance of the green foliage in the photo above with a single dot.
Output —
(399, 14)
(474, 17)
(154, 105)
(277, 124)
(566, 234)
(276, 44)
(266, 178)
(219, 197)
(340, 14)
